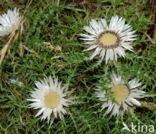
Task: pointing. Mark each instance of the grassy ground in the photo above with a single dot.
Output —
(59, 23)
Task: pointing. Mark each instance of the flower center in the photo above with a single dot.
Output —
(108, 39)
(120, 93)
(52, 99)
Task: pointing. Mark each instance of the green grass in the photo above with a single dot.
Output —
(60, 23)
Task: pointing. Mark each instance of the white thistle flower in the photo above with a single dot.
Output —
(50, 98)
(109, 41)
(9, 22)
(121, 96)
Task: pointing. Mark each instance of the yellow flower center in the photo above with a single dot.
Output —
(108, 39)
(120, 93)
(52, 99)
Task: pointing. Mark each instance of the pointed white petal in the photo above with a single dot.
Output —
(96, 52)
(110, 108)
(135, 102)
(40, 112)
(115, 110)
(120, 51)
(89, 30)
(134, 83)
(95, 26)
(104, 23)
(102, 54)
(104, 106)
(91, 47)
